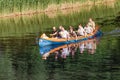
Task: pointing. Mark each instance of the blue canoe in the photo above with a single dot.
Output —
(46, 51)
(46, 41)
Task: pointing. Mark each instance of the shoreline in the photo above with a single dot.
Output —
(60, 7)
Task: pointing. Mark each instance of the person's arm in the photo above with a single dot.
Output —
(61, 34)
(85, 34)
(75, 35)
(55, 33)
(68, 36)
(93, 24)
(85, 29)
(91, 29)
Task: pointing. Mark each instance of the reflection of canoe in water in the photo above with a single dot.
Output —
(45, 41)
(50, 48)
(47, 50)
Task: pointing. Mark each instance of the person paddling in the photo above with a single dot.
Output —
(88, 29)
(54, 32)
(59, 31)
(72, 33)
(91, 23)
(64, 33)
(81, 31)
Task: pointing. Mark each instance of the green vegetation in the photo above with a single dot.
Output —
(13, 6)
(20, 26)
(19, 54)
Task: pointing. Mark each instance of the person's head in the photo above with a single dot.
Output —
(54, 28)
(87, 25)
(80, 26)
(71, 28)
(60, 27)
(90, 19)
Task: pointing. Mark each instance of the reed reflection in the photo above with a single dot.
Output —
(63, 51)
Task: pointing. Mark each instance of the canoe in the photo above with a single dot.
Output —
(48, 50)
(45, 41)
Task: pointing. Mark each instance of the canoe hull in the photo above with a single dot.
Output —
(44, 42)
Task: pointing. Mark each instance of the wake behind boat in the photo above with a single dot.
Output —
(45, 40)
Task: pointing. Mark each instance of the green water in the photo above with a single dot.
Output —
(20, 58)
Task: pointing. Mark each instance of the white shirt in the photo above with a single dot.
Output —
(92, 24)
(64, 34)
(81, 31)
(88, 29)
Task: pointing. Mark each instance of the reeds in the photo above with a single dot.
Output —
(42, 23)
(14, 6)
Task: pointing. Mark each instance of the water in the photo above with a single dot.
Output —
(20, 58)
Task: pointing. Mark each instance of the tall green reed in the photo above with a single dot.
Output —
(10, 6)
(42, 23)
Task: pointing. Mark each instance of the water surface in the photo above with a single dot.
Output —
(20, 57)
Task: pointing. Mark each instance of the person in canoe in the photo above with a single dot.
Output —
(72, 33)
(88, 29)
(54, 32)
(59, 32)
(64, 33)
(81, 31)
(91, 23)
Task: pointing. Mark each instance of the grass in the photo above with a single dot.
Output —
(31, 6)
(42, 23)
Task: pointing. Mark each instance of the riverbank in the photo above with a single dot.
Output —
(60, 7)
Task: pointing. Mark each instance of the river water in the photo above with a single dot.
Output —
(20, 57)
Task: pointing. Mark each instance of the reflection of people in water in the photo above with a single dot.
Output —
(82, 47)
(56, 54)
(73, 49)
(94, 47)
(45, 56)
(65, 52)
(91, 46)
